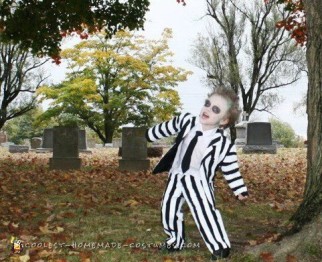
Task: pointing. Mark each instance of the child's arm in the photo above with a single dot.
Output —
(230, 169)
(167, 128)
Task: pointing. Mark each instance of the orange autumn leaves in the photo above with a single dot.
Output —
(277, 180)
(39, 205)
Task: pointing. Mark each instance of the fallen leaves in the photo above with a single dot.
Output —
(131, 203)
(46, 229)
(39, 204)
(277, 180)
(267, 257)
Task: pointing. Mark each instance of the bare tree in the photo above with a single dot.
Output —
(248, 53)
(20, 76)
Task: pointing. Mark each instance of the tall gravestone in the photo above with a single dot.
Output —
(47, 141)
(241, 129)
(134, 149)
(65, 149)
(82, 142)
(259, 138)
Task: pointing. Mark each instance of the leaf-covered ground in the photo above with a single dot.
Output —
(102, 214)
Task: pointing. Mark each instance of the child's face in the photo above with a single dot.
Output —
(214, 112)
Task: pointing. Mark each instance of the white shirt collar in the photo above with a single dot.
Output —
(209, 132)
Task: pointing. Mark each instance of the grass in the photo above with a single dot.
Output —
(102, 214)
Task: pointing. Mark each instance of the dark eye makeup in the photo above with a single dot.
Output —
(214, 109)
(207, 103)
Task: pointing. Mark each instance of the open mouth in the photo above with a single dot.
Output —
(204, 116)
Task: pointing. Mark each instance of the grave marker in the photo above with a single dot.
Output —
(259, 138)
(47, 142)
(35, 142)
(65, 149)
(134, 149)
(18, 149)
(241, 129)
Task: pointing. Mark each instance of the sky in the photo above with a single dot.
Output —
(187, 22)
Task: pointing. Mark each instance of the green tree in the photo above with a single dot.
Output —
(127, 79)
(41, 25)
(283, 133)
(24, 126)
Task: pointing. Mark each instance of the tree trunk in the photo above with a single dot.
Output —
(109, 135)
(312, 202)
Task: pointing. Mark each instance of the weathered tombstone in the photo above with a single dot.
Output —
(18, 149)
(241, 134)
(47, 141)
(3, 137)
(35, 142)
(134, 149)
(82, 142)
(65, 149)
(259, 138)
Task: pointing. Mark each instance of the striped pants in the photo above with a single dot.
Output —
(188, 188)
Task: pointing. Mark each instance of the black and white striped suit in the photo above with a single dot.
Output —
(196, 188)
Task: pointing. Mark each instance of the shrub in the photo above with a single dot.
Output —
(283, 133)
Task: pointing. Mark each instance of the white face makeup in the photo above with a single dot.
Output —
(214, 112)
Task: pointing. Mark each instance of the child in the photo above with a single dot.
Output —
(200, 148)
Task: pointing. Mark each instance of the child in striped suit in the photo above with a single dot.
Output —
(201, 148)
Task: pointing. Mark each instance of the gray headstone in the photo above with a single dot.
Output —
(134, 149)
(82, 141)
(35, 142)
(18, 149)
(47, 139)
(65, 148)
(241, 129)
(259, 133)
(259, 138)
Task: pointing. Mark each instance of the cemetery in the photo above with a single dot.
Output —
(121, 194)
(171, 131)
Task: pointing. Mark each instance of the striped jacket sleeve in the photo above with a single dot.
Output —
(167, 128)
(230, 169)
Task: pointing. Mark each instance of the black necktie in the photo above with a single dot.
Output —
(187, 156)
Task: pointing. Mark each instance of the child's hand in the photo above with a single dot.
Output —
(241, 197)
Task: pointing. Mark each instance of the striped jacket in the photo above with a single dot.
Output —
(220, 153)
